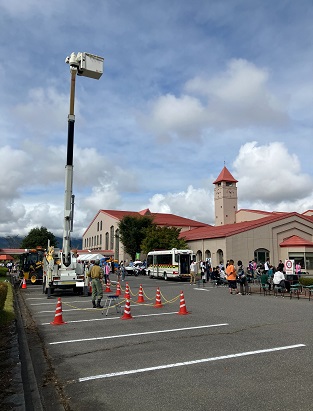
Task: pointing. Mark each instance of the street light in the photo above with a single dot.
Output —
(87, 65)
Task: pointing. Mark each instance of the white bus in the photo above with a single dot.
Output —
(169, 263)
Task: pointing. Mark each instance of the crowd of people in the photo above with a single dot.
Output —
(236, 274)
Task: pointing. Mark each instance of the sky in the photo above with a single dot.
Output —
(188, 87)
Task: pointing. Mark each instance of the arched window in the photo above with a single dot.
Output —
(261, 255)
(101, 225)
(220, 256)
(207, 254)
(117, 244)
(106, 241)
(111, 237)
(198, 255)
(98, 226)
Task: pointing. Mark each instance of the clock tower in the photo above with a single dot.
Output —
(225, 198)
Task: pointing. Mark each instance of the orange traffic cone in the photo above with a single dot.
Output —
(58, 319)
(127, 294)
(24, 283)
(182, 305)
(140, 295)
(158, 303)
(127, 315)
(118, 289)
(107, 288)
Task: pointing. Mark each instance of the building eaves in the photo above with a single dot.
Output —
(228, 230)
(296, 241)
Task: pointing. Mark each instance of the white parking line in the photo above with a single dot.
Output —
(186, 363)
(111, 318)
(136, 334)
(201, 289)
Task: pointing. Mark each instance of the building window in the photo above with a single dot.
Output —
(305, 260)
(220, 256)
(112, 237)
(101, 225)
(207, 254)
(261, 255)
(117, 244)
(98, 226)
(100, 240)
(106, 241)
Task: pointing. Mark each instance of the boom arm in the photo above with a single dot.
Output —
(68, 197)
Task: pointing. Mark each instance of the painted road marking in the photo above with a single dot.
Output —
(110, 318)
(136, 334)
(201, 289)
(186, 363)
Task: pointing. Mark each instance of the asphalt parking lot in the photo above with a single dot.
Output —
(229, 352)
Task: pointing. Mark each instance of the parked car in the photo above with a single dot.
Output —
(136, 268)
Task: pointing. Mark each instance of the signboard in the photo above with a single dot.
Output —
(290, 266)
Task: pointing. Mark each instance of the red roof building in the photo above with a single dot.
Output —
(237, 234)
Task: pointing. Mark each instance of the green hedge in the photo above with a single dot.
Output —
(3, 271)
(306, 281)
(3, 294)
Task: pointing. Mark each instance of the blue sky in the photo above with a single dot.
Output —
(186, 87)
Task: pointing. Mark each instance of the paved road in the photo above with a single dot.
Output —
(230, 352)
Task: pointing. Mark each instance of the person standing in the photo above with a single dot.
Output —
(280, 266)
(267, 265)
(122, 267)
(243, 281)
(96, 274)
(193, 272)
(107, 270)
(231, 275)
(203, 271)
(298, 269)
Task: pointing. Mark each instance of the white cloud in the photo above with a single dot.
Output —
(176, 116)
(13, 164)
(45, 112)
(269, 179)
(193, 203)
(238, 97)
(270, 174)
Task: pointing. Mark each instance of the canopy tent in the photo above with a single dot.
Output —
(89, 257)
(6, 257)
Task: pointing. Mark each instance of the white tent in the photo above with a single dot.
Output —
(89, 257)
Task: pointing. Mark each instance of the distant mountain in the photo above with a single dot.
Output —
(14, 242)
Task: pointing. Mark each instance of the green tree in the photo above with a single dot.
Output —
(38, 237)
(162, 238)
(132, 231)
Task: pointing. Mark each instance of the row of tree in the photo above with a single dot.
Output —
(137, 234)
(141, 234)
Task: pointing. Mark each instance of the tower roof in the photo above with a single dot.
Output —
(225, 176)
